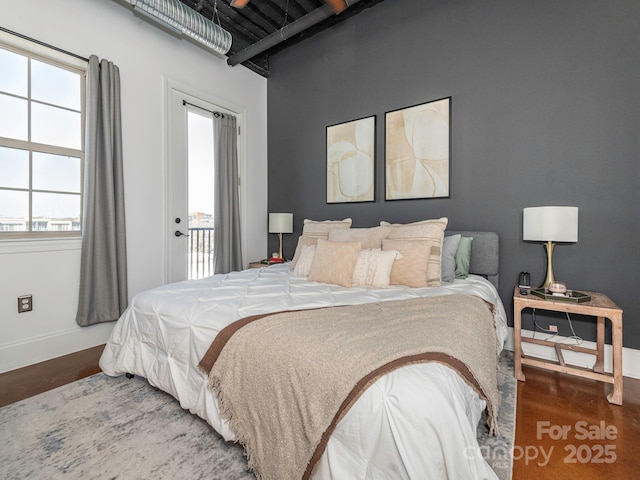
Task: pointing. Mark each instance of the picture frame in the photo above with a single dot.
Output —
(418, 151)
(351, 149)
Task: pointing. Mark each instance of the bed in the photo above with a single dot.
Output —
(416, 422)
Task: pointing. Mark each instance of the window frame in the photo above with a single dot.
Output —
(59, 59)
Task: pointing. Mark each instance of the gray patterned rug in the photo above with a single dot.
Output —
(107, 428)
(498, 451)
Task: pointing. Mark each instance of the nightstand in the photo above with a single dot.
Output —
(260, 264)
(601, 307)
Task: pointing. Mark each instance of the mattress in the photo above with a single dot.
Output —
(414, 423)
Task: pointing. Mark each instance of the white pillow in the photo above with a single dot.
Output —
(302, 241)
(307, 253)
(373, 267)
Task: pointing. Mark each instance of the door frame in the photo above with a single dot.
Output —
(176, 90)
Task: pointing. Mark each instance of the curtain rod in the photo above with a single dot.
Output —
(215, 114)
(11, 32)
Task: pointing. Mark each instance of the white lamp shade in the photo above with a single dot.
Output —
(550, 224)
(281, 223)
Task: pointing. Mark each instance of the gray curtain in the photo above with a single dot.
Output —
(228, 250)
(103, 264)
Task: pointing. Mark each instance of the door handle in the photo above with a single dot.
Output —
(180, 234)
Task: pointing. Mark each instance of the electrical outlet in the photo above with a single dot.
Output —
(25, 303)
(553, 328)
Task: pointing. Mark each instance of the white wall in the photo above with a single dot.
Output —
(146, 56)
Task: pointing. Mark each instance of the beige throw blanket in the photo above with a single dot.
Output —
(285, 380)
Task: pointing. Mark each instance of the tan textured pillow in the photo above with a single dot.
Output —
(411, 269)
(334, 262)
(312, 230)
(370, 238)
(432, 230)
(421, 222)
(320, 229)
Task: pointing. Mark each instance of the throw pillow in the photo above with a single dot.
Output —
(432, 230)
(463, 257)
(373, 267)
(411, 269)
(306, 259)
(449, 249)
(334, 262)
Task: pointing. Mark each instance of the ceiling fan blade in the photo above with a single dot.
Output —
(337, 5)
(239, 3)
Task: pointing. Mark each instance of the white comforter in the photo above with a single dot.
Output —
(418, 422)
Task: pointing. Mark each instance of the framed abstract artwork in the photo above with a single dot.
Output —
(418, 151)
(351, 161)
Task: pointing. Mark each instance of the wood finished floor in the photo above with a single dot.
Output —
(560, 400)
(550, 401)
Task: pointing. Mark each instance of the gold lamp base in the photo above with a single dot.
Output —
(280, 250)
(549, 278)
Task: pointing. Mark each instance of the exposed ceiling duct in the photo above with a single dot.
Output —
(185, 21)
(226, 30)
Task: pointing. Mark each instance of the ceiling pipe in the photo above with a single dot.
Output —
(185, 21)
(286, 32)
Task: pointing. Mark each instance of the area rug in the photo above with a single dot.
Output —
(498, 450)
(115, 428)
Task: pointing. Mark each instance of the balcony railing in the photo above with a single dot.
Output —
(201, 252)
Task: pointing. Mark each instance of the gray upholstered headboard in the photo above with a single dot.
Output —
(485, 253)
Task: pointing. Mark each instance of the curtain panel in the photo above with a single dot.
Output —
(103, 264)
(228, 248)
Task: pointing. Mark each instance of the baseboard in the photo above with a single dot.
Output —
(45, 347)
(630, 356)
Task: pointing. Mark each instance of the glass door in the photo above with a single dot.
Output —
(200, 187)
(190, 190)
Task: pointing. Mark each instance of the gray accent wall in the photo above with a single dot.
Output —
(545, 111)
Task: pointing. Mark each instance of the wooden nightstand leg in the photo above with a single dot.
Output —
(599, 365)
(517, 332)
(616, 395)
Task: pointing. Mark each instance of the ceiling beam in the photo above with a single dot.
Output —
(286, 32)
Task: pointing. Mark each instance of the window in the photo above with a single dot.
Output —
(41, 140)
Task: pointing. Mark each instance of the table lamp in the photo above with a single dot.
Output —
(280, 223)
(549, 225)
